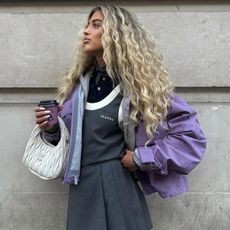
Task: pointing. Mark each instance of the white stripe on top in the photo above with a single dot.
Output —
(109, 98)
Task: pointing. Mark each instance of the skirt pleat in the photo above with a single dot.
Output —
(107, 198)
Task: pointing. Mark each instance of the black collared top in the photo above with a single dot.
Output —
(100, 85)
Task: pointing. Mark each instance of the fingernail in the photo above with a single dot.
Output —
(42, 108)
(47, 111)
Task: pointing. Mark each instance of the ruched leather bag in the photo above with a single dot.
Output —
(44, 159)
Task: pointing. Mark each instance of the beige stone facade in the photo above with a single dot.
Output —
(37, 42)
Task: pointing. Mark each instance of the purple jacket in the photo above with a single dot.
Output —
(174, 151)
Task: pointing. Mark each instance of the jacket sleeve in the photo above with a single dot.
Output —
(181, 149)
(53, 138)
(66, 115)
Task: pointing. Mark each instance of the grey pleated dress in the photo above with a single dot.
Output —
(107, 196)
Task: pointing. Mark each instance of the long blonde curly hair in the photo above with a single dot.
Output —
(129, 52)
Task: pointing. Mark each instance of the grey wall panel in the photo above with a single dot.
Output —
(37, 211)
(194, 44)
(69, 6)
(17, 122)
(211, 175)
(191, 211)
(38, 48)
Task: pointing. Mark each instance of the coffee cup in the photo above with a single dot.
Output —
(51, 105)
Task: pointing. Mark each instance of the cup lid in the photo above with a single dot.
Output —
(48, 102)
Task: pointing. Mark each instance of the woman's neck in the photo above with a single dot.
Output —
(100, 61)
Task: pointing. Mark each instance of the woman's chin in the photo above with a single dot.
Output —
(88, 50)
(91, 51)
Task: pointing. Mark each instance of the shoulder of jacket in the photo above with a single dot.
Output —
(179, 105)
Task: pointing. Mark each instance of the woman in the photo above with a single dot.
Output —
(126, 125)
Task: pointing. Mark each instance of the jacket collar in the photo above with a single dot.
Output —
(84, 81)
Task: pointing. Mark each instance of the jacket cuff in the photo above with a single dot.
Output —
(136, 158)
(148, 160)
(53, 130)
(53, 138)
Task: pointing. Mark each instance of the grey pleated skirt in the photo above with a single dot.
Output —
(107, 198)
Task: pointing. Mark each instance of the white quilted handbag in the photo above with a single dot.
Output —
(44, 159)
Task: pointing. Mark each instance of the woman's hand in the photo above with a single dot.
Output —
(41, 117)
(128, 161)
